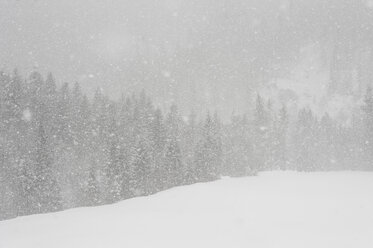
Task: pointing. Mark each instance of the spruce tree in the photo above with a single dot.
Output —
(368, 125)
(238, 145)
(45, 191)
(114, 171)
(260, 134)
(280, 140)
(173, 166)
(207, 154)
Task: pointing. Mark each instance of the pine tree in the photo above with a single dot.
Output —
(188, 143)
(260, 134)
(306, 140)
(238, 148)
(126, 143)
(368, 125)
(50, 99)
(207, 154)
(50, 88)
(173, 166)
(92, 190)
(140, 169)
(45, 191)
(217, 141)
(114, 171)
(35, 98)
(280, 140)
(99, 148)
(13, 136)
(64, 133)
(159, 139)
(142, 155)
(326, 148)
(77, 120)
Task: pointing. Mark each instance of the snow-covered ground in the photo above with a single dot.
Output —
(277, 209)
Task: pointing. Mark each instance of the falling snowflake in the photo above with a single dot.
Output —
(26, 115)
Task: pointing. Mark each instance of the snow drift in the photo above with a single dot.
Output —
(278, 209)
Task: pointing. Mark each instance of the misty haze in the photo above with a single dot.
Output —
(186, 123)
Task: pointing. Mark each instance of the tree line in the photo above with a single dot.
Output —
(59, 149)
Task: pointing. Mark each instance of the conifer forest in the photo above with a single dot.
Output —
(62, 149)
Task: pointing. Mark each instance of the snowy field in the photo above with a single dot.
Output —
(278, 209)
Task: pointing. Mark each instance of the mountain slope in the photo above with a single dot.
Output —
(279, 209)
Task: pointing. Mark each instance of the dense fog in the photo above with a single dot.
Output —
(198, 54)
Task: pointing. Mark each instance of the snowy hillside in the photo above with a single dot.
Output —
(306, 85)
(279, 209)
